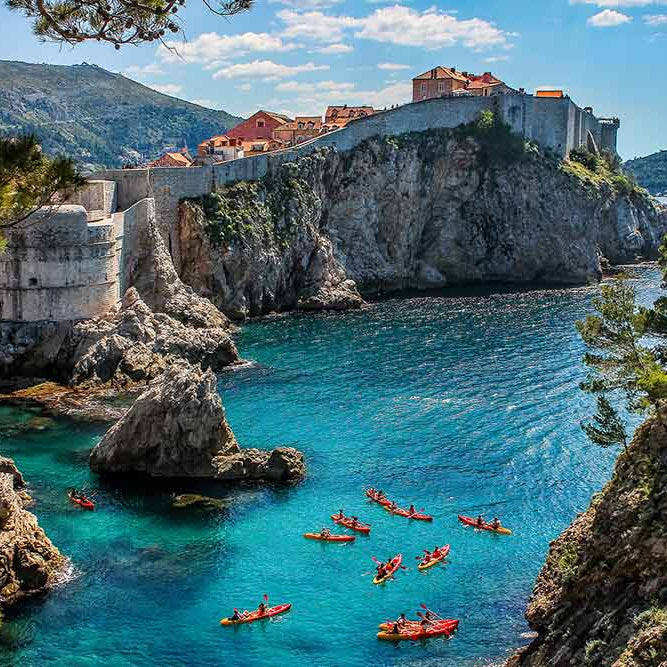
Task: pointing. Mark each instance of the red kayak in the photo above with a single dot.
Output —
(469, 521)
(256, 616)
(84, 503)
(352, 525)
(416, 516)
(329, 538)
(435, 629)
(374, 495)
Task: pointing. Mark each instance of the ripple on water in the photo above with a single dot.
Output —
(461, 403)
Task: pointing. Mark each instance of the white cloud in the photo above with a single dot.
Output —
(166, 88)
(307, 88)
(266, 70)
(335, 49)
(211, 46)
(209, 104)
(496, 59)
(655, 19)
(619, 3)
(316, 25)
(430, 29)
(145, 70)
(245, 87)
(608, 18)
(392, 66)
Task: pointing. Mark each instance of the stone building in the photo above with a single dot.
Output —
(260, 125)
(302, 128)
(444, 81)
(172, 160)
(336, 117)
(221, 147)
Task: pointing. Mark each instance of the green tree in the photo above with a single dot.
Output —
(619, 360)
(30, 180)
(118, 22)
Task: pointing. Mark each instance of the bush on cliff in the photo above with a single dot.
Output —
(598, 169)
(497, 140)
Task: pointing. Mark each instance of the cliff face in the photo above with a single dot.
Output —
(29, 563)
(421, 210)
(601, 597)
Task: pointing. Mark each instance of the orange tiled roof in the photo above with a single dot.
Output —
(278, 116)
(442, 73)
(171, 159)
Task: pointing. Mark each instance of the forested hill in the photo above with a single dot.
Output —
(650, 172)
(98, 117)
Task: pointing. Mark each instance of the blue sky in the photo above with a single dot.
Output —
(297, 56)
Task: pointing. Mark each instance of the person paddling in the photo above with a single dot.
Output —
(235, 616)
(495, 524)
(480, 520)
(261, 610)
(340, 515)
(402, 620)
(325, 533)
(412, 511)
(380, 570)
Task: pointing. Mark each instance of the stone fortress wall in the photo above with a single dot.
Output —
(72, 265)
(67, 264)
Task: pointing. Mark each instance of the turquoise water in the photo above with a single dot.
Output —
(461, 403)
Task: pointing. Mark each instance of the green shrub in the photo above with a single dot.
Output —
(584, 156)
(497, 140)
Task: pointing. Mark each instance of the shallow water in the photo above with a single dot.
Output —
(461, 403)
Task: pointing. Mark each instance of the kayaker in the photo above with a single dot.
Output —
(340, 515)
(355, 520)
(480, 520)
(412, 510)
(401, 620)
(380, 570)
(396, 630)
(436, 552)
(393, 505)
(495, 524)
(235, 616)
(380, 494)
(325, 532)
(261, 609)
(425, 622)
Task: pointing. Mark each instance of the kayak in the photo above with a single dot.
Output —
(256, 616)
(395, 564)
(84, 503)
(468, 521)
(425, 564)
(416, 516)
(437, 629)
(348, 523)
(374, 496)
(330, 538)
(410, 625)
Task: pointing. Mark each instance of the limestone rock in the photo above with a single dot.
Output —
(29, 563)
(177, 428)
(282, 465)
(134, 344)
(601, 597)
(195, 500)
(174, 429)
(419, 211)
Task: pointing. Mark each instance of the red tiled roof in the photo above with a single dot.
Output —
(442, 73)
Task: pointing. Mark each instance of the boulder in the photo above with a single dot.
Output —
(29, 562)
(177, 428)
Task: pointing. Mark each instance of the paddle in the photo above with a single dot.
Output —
(423, 606)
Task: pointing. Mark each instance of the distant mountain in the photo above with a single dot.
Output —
(650, 171)
(98, 117)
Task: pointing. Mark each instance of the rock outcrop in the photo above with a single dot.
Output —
(29, 563)
(177, 428)
(422, 210)
(601, 597)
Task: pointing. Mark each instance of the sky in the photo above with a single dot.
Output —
(298, 56)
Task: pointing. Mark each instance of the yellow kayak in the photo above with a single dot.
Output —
(444, 552)
(395, 564)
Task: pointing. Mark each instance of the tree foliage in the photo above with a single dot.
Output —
(116, 21)
(620, 360)
(30, 180)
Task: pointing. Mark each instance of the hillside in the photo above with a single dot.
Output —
(98, 117)
(651, 172)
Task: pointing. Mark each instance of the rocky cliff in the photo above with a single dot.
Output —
(422, 210)
(178, 428)
(29, 563)
(601, 597)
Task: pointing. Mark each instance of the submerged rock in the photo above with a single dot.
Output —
(195, 500)
(29, 562)
(601, 597)
(177, 428)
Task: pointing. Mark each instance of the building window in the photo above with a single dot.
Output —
(260, 123)
(441, 86)
(300, 125)
(423, 89)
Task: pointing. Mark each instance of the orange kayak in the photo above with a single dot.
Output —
(425, 564)
(84, 503)
(394, 565)
(416, 516)
(329, 538)
(469, 521)
(256, 616)
(349, 523)
(373, 495)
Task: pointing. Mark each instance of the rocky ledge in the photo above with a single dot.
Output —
(177, 428)
(601, 597)
(29, 563)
